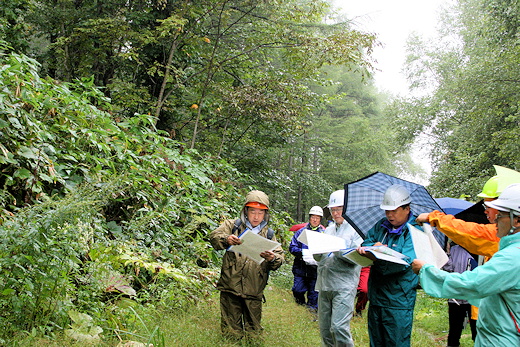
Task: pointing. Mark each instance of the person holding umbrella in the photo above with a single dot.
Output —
(304, 266)
(337, 280)
(494, 286)
(392, 287)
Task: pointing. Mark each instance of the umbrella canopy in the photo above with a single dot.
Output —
(506, 177)
(363, 197)
(474, 213)
(453, 206)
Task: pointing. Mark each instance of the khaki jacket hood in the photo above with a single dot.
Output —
(255, 196)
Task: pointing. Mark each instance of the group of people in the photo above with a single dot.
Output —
(493, 287)
(331, 281)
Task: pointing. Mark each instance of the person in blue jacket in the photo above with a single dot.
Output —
(495, 286)
(304, 266)
(392, 287)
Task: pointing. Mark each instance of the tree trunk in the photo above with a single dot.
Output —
(161, 98)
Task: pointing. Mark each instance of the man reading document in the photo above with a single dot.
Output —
(242, 280)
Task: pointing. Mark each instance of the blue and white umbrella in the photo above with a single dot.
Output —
(363, 197)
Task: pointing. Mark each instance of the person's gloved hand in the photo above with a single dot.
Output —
(308, 258)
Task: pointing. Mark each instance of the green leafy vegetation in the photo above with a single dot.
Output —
(129, 131)
(274, 87)
(470, 108)
(97, 213)
(285, 323)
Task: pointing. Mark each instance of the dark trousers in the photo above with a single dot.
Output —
(239, 315)
(389, 327)
(457, 314)
(305, 285)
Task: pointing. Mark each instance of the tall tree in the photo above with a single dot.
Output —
(473, 107)
(205, 68)
(347, 137)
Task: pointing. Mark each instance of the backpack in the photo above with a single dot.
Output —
(238, 222)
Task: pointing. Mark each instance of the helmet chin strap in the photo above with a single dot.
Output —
(511, 219)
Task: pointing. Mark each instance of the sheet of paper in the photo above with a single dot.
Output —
(388, 257)
(321, 243)
(388, 251)
(426, 247)
(357, 258)
(252, 245)
(380, 252)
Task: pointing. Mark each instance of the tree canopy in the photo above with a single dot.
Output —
(471, 107)
(242, 80)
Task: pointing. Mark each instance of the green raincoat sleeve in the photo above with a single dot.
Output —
(488, 286)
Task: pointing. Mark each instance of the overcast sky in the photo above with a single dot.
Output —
(393, 21)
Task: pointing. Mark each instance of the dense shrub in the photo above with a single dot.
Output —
(99, 214)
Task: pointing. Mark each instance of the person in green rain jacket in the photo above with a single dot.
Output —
(392, 287)
(495, 286)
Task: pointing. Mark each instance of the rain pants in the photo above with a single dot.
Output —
(490, 287)
(391, 288)
(475, 238)
(304, 274)
(337, 283)
(362, 290)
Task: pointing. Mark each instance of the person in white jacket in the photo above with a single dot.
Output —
(337, 280)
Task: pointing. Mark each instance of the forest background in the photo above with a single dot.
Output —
(130, 130)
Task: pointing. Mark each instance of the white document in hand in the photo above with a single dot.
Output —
(380, 252)
(388, 254)
(321, 243)
(426, 247)
(357, 258)
(252, 245)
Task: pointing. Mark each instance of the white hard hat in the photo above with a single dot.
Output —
(337, 198)
(316, 210)
(508, 201)
(395, 196)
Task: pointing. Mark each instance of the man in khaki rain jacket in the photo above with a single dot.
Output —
(242, 280)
